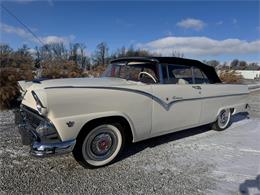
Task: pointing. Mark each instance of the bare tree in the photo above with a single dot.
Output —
(213, 63)
(177, 54)
(242, 65)
(101, 55)
(5, 49)
(234, 64)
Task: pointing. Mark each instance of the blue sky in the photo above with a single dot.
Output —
(221, 30)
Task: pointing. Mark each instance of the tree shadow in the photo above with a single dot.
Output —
(134, 148)
(250, 183)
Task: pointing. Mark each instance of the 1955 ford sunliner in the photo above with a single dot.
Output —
(136, 99)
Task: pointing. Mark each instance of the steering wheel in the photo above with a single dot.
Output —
(148, 74)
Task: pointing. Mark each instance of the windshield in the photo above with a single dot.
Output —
(144, 72)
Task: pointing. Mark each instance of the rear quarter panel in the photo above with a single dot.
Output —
(220, 96)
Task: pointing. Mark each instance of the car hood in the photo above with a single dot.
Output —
(39, 87)
(76, 82)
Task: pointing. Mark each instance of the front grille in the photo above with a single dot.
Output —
(31, 117)
(33, 121)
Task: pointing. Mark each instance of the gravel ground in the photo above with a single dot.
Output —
(197, 161)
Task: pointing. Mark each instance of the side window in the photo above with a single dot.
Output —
(176, 74)
(151, 72)
(180, 74)
(199, 76)
(133, 72)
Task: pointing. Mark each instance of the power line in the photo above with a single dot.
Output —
(27, 28)
(24, 25)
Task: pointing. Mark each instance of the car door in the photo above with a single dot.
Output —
(210, 105)
(177, 104)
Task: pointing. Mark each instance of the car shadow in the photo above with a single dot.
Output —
(250, 183)
(134, 148)
(239, 117)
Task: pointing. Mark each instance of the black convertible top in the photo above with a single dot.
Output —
(208, 70)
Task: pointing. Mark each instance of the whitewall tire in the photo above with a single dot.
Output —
(223, 120)
(100, 146)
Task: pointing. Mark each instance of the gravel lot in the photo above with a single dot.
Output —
(197, 161)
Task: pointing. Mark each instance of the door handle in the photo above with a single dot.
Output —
(196, 87)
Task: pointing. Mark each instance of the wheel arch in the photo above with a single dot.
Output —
(128, 127)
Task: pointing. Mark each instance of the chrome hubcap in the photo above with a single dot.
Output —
(223, 118)
(101, 144)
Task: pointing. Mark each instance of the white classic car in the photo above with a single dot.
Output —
(136, 99)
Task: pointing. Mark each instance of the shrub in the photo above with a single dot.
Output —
(60, 69)
(9, 91)
(230, 76)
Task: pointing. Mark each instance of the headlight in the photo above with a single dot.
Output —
(39, 106)
(46, 131)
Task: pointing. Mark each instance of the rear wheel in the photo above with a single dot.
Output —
(100, 145)
(223, 120)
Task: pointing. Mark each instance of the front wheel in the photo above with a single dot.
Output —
(99, 146)
(223, 120)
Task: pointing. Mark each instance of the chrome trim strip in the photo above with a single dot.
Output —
(36, 98)
(165, 105)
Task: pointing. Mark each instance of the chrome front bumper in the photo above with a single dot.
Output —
(39, 149)
(41, 146)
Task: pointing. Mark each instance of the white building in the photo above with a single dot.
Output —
(250, 74)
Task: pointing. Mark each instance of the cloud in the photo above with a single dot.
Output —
(14, 30)
(191, 23)
(28, 36)
(32, 50)
(234, 21)
(168, 33)
(201, 46)
(56, 39)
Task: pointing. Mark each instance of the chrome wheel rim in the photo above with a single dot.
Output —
(223, 118)
(101, 144)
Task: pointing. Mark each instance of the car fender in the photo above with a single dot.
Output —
(69, 127)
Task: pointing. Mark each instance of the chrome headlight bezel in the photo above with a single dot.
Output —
(42, 110)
